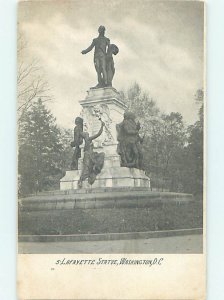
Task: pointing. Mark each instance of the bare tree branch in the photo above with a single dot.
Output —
(31, 85)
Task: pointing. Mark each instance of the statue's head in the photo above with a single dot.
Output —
(114, 49)
(129, 115)
(78, 121)
(101, 29)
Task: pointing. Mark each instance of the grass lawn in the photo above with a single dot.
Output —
(105, 220)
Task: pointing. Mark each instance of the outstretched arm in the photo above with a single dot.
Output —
(89, 48)
(99, 133)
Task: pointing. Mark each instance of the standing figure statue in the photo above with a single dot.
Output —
(100, 43)
(103, 59)
(92, 161)
(78, 140)
(129, 146)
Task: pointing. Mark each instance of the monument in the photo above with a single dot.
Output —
(105, 195)
(107, 145)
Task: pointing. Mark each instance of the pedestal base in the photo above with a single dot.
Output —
(109, 177)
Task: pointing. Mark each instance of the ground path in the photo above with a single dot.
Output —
(176, 244)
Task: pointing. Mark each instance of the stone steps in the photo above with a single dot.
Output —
(98, 199)
(90, 191)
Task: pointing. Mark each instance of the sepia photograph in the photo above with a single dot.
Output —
(110, 127)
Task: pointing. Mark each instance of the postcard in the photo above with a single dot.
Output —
(111, 156)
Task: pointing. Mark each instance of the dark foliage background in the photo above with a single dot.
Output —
(44, 152)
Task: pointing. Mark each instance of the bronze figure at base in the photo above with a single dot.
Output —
(78, 140)
(130, 143)
(92, 161)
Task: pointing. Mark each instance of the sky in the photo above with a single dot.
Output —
(161, 47)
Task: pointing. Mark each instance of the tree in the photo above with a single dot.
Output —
(39, 162)
(30, 80)
(173, 139)
(193, 178)
(164, 147)
(66, 136)
(144, 107)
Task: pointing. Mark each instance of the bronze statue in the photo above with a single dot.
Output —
(103, 59)
(92, 161)
(78, 140)
(112, 49)
(129, 146)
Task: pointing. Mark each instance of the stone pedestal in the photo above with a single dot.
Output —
(109, 177)
(105, 104)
